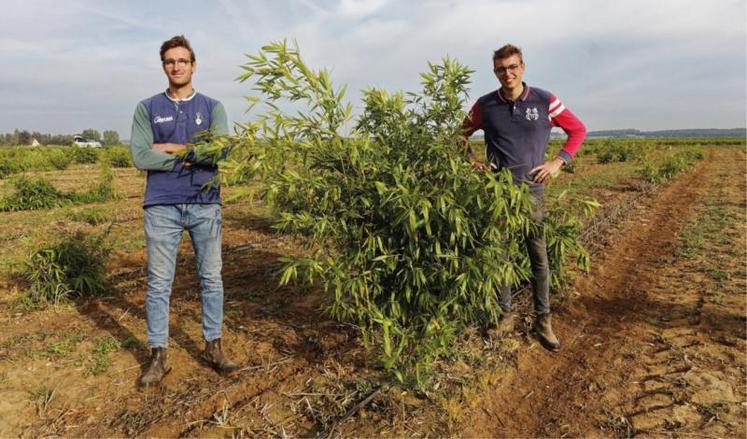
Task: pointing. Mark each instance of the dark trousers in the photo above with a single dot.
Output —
(537, 248)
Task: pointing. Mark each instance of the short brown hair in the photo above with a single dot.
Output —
(177, 41)
(507, 51)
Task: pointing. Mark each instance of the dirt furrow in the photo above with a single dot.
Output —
(607, 334)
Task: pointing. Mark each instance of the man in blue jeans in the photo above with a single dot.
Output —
(177, 199)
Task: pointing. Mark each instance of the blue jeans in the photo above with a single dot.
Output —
(537, 249)
(164, 225)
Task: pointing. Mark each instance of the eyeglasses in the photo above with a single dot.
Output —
(513, 68)
(181, 62)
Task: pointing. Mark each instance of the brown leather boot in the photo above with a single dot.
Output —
(159, 367)
(505, 325)
(543, 327)
(217, 359)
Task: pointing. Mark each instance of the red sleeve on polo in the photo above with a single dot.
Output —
(572, 125)
(473, 121)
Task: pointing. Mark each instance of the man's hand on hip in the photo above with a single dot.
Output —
(478, 165)
(548, 169)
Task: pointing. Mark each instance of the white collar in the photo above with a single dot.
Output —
(188, 98)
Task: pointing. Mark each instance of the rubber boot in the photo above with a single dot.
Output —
(158, 368)
(217, 359)
(543, 327)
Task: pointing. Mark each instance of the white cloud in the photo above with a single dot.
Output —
(360, 8)
(635, 63)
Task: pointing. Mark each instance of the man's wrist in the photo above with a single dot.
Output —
(564, 156)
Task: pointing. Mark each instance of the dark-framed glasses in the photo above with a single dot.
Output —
(513, 68)
(181, 62)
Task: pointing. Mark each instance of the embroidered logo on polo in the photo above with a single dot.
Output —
(161, 119)
(198, 118)
(532, 113)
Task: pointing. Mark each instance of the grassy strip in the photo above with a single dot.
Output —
(713, 240)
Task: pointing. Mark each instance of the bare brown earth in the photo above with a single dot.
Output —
(646, 351)
(653, 345)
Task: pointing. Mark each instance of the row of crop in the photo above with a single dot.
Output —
(670, 166)
(645, 153)
(65, 265)
(594, 145)
(30, 193)
(653, 169)
(23, 159)
(699, 141)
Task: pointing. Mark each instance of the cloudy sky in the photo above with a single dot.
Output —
(646, 64)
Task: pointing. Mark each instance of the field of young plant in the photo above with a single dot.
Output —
(70, 366)
(358, 289)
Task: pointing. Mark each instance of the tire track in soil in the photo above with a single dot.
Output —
(611, 360)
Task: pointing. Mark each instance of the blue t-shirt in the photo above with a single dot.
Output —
(178, 121)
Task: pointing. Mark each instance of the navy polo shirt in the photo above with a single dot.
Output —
(516, 133)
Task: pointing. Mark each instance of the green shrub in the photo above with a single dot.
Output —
(589, 147)
(693, 154)
(670, 167)
(15, 160)
(102, 190)
(6, 167)
(67, 265)
(32, 194)
(563, 229)
(59, 159)
(408, 239)
(10, 162)
(616, 150)
(85, 155)
(119, 157)
(91, 215)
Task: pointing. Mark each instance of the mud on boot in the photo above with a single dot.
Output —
(543, 329)
(215, 357)
(158, 368)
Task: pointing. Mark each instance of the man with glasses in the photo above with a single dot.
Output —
(177, 199)
(517, 120)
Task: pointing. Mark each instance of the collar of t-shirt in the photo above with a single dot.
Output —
(177, 100)
(522, 97)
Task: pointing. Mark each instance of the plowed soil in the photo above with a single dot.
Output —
(646, 351)
(653, 344)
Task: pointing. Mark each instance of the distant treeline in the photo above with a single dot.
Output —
(24, 137)
(707, 132)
